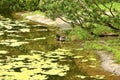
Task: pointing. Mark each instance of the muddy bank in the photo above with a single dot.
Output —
(108, 63)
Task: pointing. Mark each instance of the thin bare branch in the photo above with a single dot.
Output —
(109, 8)
(101, 9)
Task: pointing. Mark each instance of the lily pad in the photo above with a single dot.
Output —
(11, 31)
(8, 27)
(81, 76)
(78, 57)
(35, 51)
(100, 76)
(14, 44)
(84, 60)
(39, 77)
(3, 52)
(92, 66)
(79, 49)
(1, 33)
(36, 39)
(92, 59)
(25, 30)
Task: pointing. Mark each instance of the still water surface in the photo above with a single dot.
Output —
(30, 52)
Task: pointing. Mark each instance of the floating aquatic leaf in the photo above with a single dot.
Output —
(5, 67)
(64, 50)
(100, 76)
(3, 52)
(24, 69)
(4, 43)
(84, 60)
(35, 39)
(14, 35)
(79, 49)
(25, 30)
(11, 31)
(8, 27)
(39, 77)
(9, 41)
(81, 76)
(14, 44)
(42, 30)
(92, 66)
(62, 74)
(36, 66)
(92, 59)
(34, 51)
(1, 33)
(54, 72)
(78, 56)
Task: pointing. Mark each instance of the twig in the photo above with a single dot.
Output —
(109, 8)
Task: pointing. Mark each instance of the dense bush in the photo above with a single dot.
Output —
(84, 13)
(18, 5)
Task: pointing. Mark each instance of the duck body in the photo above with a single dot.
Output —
(60, 38)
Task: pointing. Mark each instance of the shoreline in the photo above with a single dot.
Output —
(108, 63)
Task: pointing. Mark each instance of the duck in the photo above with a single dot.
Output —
(60, 38)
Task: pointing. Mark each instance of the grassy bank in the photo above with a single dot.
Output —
(111, 45)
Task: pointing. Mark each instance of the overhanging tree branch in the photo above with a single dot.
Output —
(109, 8)
(111, 26)
(100, 9)
(70, 22)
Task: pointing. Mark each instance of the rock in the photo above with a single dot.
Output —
(62, 25)
(108, 63)
(40, 18)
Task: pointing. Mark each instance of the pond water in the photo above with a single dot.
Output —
(30, 52)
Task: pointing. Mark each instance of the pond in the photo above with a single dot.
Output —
(30, 52)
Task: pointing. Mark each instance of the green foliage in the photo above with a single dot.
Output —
(110, 46)
(82, 12)
(115, 51)
(79, 34)
(18, 5)
(93, 45)
(101, 29)
(38, 12)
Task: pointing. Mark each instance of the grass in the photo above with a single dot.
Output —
(111, 46)
(101, 29)
(79, 34)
